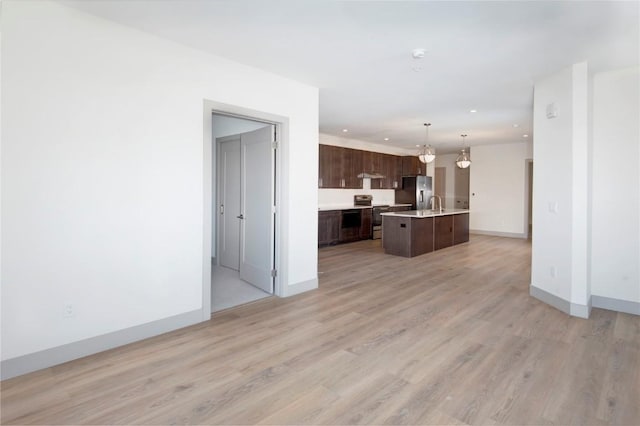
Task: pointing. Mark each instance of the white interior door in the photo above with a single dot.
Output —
(256, 203)
(229, 208)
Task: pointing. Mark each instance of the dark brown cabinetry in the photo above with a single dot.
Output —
(443, 231)
(343, 226)
(365, 229)
(412, 236)
(404, 236)
(329, 166)
(339, 167)
(460, 228)
(328, 227)
(412, 166)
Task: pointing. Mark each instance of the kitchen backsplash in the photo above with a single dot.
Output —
(344, 197)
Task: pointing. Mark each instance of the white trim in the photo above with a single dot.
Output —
(500, 234)
(49, 357)
(301, 287)
(569, 308)
(618, 305)
(550, 299)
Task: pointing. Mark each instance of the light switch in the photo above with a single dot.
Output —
(553, 206)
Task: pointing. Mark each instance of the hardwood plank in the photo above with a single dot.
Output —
(449, 337)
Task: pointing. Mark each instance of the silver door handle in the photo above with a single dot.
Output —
(222, 209)
(240, 217)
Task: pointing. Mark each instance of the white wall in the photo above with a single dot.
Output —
(559, 260)
(449, 162)
(497, 190)
(102, 173)
(615, 202)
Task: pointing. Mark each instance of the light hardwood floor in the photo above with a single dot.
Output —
(450, 337)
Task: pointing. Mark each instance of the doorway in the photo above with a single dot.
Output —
(529, 198)
(243, 219)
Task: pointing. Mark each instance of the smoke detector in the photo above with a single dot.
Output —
(417, 53)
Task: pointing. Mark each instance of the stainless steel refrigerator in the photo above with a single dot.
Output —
(416, 190)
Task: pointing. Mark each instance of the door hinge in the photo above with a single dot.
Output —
(274, 273)
(274, 144)
(273, 210)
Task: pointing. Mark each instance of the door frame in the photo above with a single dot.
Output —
(281, 124)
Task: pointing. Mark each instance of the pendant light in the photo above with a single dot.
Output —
(428, 154)
(464, 160)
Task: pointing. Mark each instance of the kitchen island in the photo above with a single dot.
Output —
(415, 232)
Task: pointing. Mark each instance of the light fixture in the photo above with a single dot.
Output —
(464, 160)
(345, 130)
(525, 136)
(428, 154)
(386, 139)
(473, 110)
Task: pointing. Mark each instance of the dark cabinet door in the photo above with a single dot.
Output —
(328, 227)
(395, 172)
(412, 166)
(339, 167)
(329, 165)
(351, 168)
(460, 228)
(443, 232)
(365, 228)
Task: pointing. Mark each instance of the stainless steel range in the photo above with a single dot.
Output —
(376, 222)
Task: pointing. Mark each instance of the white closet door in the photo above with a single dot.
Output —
(229, 209)
(257, 200)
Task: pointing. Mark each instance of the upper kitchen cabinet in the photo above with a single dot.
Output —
(390, 167)
(339, 167)
(328, 166)
(351, 168)
(412, 166)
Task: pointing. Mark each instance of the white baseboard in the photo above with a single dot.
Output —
(301, 287)
(573, 309)
(499, 234)
(49, 357)
(617, 305)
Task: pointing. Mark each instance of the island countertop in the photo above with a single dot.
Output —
(418, 214)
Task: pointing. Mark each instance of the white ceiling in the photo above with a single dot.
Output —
(480, 55)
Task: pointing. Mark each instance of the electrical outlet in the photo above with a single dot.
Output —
(67, 310)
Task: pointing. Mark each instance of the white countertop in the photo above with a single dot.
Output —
(426, 213)
(350, 207)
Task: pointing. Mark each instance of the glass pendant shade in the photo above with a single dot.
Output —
(428, 155)
(463, 161)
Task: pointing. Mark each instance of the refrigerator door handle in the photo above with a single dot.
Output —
(422, 196)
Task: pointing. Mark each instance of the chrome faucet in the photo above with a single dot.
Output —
(439, 203)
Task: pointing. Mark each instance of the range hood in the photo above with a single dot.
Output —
(373, 175)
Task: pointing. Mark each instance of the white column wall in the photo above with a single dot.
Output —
(557, 152)
(615, 204)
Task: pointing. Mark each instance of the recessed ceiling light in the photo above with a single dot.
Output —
(417, 146)
(516, 125)
(386, 139)
(525, 136)
(345, 130)
(473, 110)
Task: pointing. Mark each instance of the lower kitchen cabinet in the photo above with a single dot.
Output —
(460, 228)
(365, 227)
(328, 227)
(443, 231)
(344, 226)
